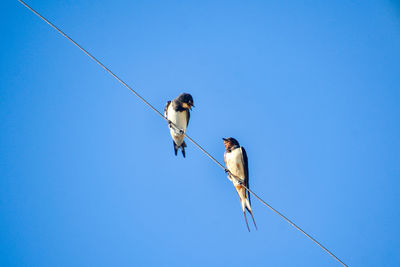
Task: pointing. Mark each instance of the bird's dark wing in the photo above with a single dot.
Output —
(187, 117)
(166, 109)
(246, 171)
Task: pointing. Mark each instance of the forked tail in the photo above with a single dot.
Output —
(252, 216)
(251, 213)
(182, 146)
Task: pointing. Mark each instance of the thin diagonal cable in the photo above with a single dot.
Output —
(161, 115)
(119, 79)
(92, 57)
(294, 225)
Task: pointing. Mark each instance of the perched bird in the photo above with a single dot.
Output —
(235, 158)
(178, 116)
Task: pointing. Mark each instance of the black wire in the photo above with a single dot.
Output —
(162, 116)
(294, 225)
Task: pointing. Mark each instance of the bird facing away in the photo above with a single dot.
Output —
(177, 113)
(235, 158)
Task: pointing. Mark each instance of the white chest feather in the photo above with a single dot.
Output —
(234, 162)
(178, 118)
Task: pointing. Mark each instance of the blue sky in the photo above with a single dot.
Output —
(87, 172)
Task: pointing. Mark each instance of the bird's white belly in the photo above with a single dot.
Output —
(234, 163)
(179, 119)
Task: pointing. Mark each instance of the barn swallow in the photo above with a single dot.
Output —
(178, 116)
(235, 158)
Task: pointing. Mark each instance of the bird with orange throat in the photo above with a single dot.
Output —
(235, 158)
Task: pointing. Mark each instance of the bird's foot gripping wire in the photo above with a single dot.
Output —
(176, 129)
(232, 177)
(229, 175)
(237, 179)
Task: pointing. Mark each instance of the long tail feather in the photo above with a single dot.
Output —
(175, 148)
(254, 221)
(183, 149)
(245, 218)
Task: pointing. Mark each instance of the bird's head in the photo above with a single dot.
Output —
(230, 143)
(186, 101)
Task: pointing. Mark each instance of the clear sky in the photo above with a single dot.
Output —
(311, 89)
